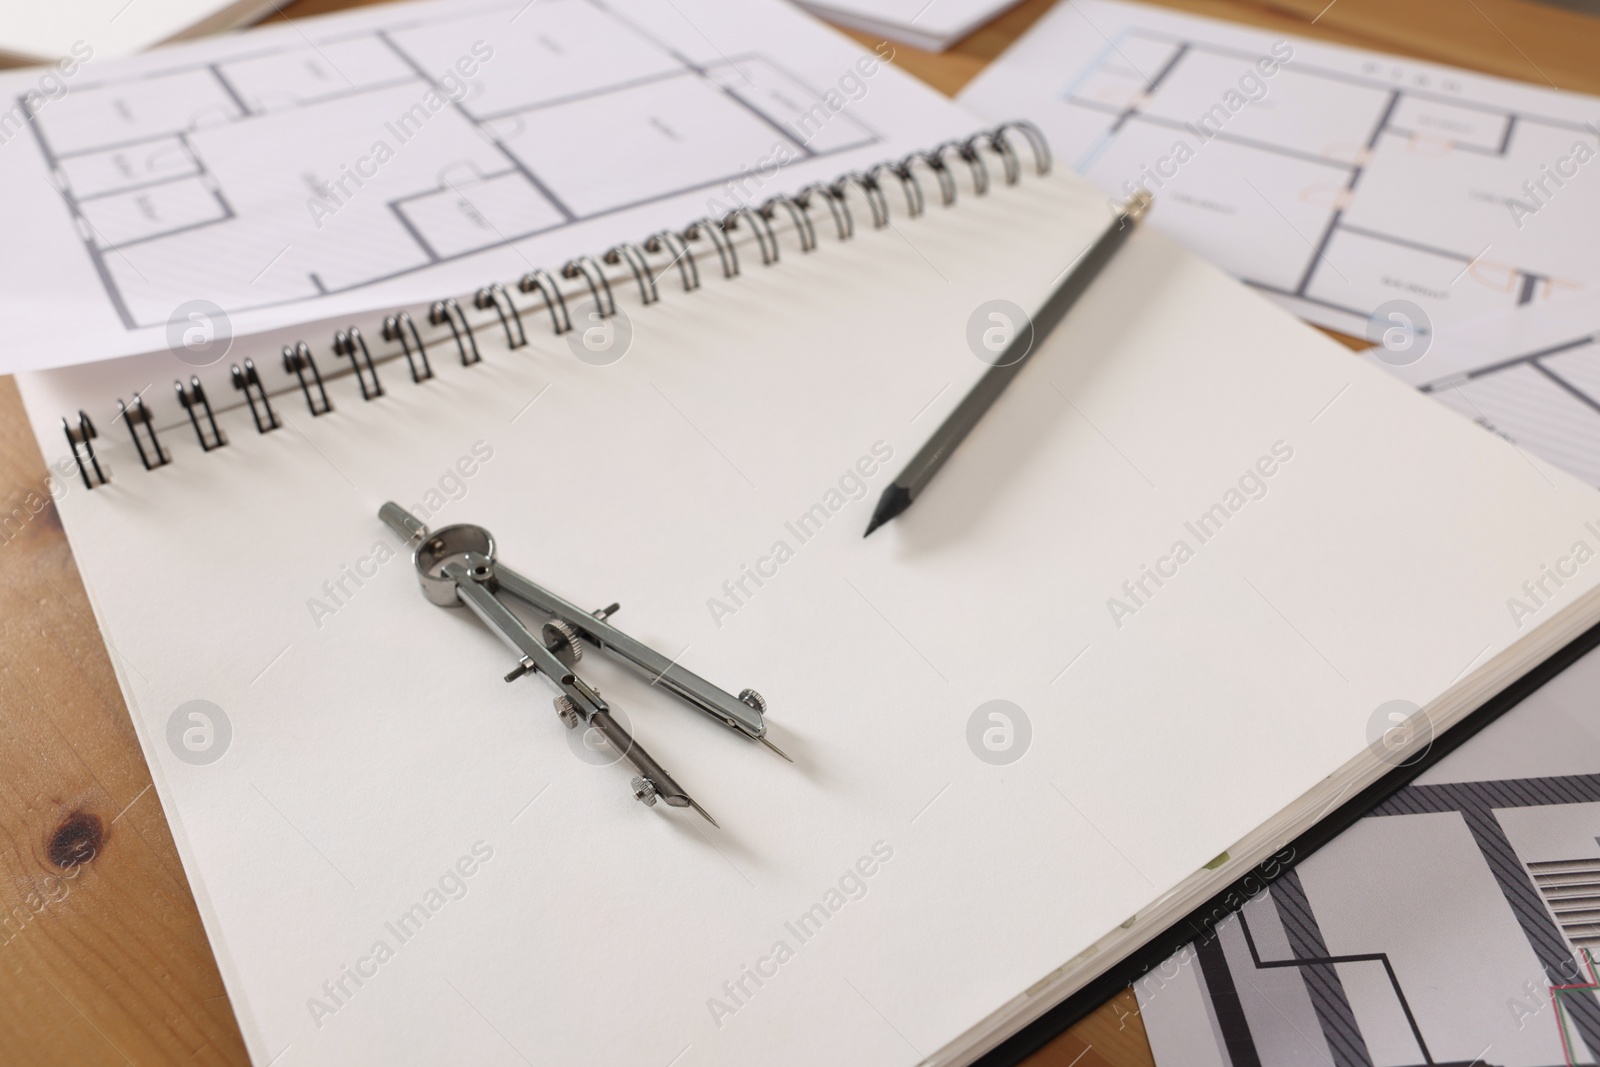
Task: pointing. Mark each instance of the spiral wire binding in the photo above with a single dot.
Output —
(298, 360)
(395, 328)
(759, 226)
(399, 328)
(843, 225)
(869, 188)
(447, 313)
(249, 382)
(725, 250)
(350, 344)
(667, 241)
(908, 185)
(136, 416)
(586, 268)
(539, 281)
(81, 438)
(797, 215)
(941, 174)
(638, 266)
(195, 396)
(495, 296)
(968, 152)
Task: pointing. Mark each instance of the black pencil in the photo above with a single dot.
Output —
(926, 463)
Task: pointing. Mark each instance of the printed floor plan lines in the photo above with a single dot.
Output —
(1531, 375)
(1546, 400)
(1346, 267)
(1334, 180)
(1452, 924)
(573, 113)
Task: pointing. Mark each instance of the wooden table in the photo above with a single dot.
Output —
(102, 957)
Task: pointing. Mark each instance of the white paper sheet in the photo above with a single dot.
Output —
(44, 33)
(931, 24)
(411, 152)
(1451, 951)
(373, 748)
(1531, 375)
(1337, 181)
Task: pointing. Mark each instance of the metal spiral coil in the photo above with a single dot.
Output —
(586, 268)
(681, 255)
(764, 220)
(630, 253)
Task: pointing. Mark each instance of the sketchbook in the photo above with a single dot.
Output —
(1198, 575)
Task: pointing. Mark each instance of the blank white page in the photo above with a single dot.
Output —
(375, 747)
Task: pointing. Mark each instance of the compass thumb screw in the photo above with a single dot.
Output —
(562, 639)
(644, 791)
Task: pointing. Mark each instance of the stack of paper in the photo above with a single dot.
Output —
(105, 29)
(931, 24)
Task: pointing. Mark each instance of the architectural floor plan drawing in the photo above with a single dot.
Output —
(1335, 180)
(192, 164)
(401, 154)
(1531, 375)
(1455, 924)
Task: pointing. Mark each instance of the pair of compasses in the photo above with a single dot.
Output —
(456, 565)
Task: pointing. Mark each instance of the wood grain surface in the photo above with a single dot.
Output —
(102, 956)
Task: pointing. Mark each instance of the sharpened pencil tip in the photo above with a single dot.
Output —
(895, 499)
